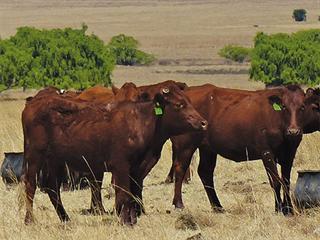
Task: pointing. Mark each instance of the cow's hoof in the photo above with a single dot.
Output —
(28, 219)
(128, 218)
(133, 216)
(178, 206)
(168, 180)
(218, 209)
(139, 209)
(287, 211)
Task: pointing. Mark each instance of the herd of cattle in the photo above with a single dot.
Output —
(122, 131)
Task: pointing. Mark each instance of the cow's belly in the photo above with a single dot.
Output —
(80, 155)
(236, 153)
(243, 144)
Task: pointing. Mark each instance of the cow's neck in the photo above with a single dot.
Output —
(159, 134)
(155, 127)
(152, 149)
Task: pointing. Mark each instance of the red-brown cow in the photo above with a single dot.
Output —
(311, 124)
(128, 92)
(312, 112)
(93, 140)
(242, 126)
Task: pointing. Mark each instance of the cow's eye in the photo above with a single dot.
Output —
(284, 107)
(302, 108)
(179, 106)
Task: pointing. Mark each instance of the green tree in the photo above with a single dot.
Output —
(125, 49)
(65, 58)
(287, 58)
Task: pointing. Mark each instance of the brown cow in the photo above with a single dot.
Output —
(311, 124)
(98, 94)
(243, 125)
(129, 91)
(312, 112)
(93, 140)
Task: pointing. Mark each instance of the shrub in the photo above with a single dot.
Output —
(64, 58)
(299, 15)
(235, 53)
(283, 58)
(125, 49)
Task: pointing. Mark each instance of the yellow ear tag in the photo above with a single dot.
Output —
(276, 107)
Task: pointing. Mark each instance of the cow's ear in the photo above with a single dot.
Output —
(115, 90)
(275, 99)
(28, 99)
(144, 96)
(309, 92)
(182, 86)
(276, 102)
(160, 99)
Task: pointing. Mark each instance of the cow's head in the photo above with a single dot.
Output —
(290, 103)
(312, 112)
(128, 92)
(176, 112)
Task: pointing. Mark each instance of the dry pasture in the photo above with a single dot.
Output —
(185, 36)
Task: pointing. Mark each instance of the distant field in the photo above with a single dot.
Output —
(185, 36)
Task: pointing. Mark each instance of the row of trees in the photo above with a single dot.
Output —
(66, 58)
(281, 58)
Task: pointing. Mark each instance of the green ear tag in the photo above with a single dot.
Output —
(276, 107)
(158, 110)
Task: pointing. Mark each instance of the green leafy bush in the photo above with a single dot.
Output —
(299, 15)
(64, 58)
(235, 53)
(283, 58)
(125, 49)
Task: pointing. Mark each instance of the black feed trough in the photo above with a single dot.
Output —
(12, 169)
(307, 190)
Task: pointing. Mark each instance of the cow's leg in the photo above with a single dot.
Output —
(136, 189)
(207, 164)
(181, 165)
(274, 179)
(96, 199)
(187, 176)
(54, 183)
(140, 172)
(286, 162)
(124, 201)
(170, 177)
(29, 179)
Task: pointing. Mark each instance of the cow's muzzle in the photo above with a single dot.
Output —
(293, 132)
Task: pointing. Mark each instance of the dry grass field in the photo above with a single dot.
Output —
(185, 36)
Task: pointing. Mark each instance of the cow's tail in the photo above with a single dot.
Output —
(21, 193)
